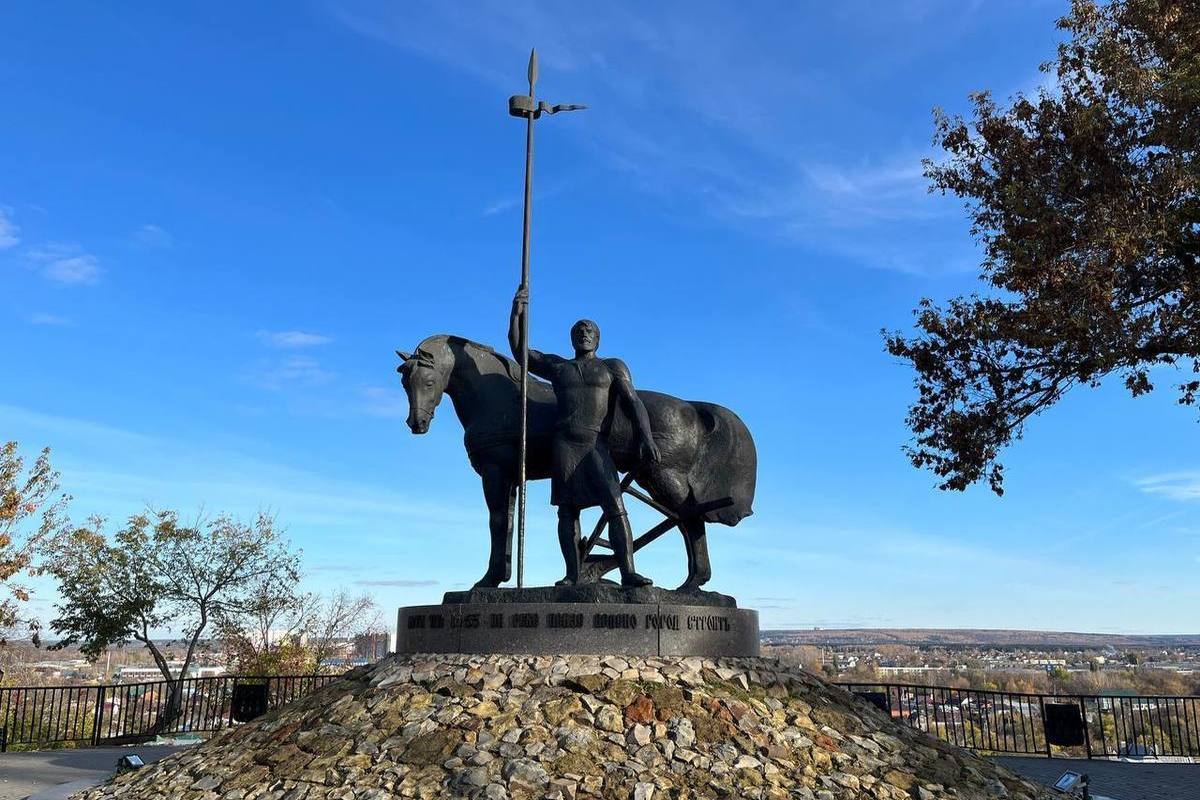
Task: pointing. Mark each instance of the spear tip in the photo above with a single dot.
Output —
(533, 69)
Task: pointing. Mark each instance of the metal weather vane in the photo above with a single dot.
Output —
(528, 108)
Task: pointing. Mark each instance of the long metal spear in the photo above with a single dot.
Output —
(525, 106)
(529, 119)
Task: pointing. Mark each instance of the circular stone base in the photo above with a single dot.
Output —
(642, 629)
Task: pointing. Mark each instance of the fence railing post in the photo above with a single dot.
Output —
(232, 694)
(1087, 734)
(98, 716)
(1045, 733)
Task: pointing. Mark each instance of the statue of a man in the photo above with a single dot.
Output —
(582, 473)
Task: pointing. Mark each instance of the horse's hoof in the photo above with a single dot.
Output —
(487, 583)
(633, 580)
(688, 586)
(566, 582)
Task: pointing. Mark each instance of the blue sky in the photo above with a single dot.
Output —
(217, 221)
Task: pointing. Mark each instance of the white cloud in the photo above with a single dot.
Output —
(517, 201)
(501, 206)
(8, 230)
(128, 469)
(153, 237)
(48, 319)
(65, 263)
(1182, 486)
(294, 370)
(74, 269)
(690, 115)
(78, 431)
(380, 401)
(293, 339)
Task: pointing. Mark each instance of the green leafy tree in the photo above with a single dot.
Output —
(1086, 201)
(156, 574)
(31, 511)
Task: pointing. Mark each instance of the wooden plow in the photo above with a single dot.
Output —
(594, 566)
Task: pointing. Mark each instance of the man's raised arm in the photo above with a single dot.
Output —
(520, 307)
(540, 364)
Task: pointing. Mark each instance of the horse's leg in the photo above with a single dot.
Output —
(499, 493)
(691, 558)
(670, 488)
(696, 540)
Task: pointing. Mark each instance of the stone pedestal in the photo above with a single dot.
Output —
(580, 620)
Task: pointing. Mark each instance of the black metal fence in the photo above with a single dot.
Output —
(1074, 726)
(50, 716)
(1078, 726)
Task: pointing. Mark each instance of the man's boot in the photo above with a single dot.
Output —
(568, 540)
(622, 544)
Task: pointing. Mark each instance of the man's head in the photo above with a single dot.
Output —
(585, 336)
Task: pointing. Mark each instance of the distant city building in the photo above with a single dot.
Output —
(371, 646)
(130, 674)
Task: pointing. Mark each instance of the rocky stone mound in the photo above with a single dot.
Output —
(572, 727)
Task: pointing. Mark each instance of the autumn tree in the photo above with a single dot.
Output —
(1084, 198)
(338, 617)
(282, 631)
(156, 574)
(32, 510)
(264, 635)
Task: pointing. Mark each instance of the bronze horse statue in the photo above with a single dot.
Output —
(706, 472)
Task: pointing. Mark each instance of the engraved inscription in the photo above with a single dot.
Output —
(660, 622)
(615, 621)
(708, 622)
(564, 628)
(465, 621)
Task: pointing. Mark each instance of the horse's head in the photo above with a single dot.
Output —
(424, 382)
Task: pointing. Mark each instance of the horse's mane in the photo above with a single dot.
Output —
(508, 365)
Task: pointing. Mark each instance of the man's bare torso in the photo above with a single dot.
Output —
(582, 387)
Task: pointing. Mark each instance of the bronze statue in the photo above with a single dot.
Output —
(705, 471)
(582, 473)
(695, 461)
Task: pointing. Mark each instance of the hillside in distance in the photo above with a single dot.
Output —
(968, 637)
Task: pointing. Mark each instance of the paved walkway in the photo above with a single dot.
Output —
(22, 774)
(1120, 780)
